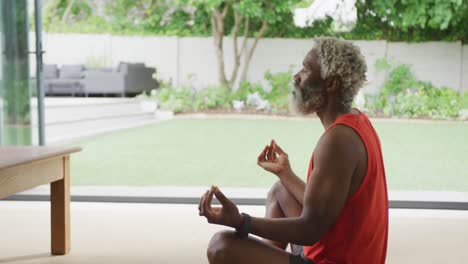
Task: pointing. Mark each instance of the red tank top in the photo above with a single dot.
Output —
(360, 232)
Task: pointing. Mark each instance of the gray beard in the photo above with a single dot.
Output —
(305, 101)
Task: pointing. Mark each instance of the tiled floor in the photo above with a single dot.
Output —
(160, 233)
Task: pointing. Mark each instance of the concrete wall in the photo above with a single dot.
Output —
(76, 48)
(438, 62)
(193, 60)
(464, 70)
(160, 52)
(372, 51)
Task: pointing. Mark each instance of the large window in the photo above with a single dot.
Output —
(152, 112)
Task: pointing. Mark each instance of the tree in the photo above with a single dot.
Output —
(241, 17)
(436, 14)
(132, 11)
(66, 11)
(158, 17)
(413, 20)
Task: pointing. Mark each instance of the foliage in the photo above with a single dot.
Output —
(55, 12)
(177, 100)
(212, 97)
(277, 94)
(401, 95)
(429, 102)
(271, 11)
(246, 88)
(304, 4)
(404, 95)
(244, 19)
(93, 24)
(464, 103)
(399, 79)
(394, 20)
(405, 15)
(127, 17)
(382, 64)
(219, 97)
(411, 20)
(281, 86)
(149, 16)
(184, 99)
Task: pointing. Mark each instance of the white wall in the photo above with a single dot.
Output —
(372, 51)
(464, 71)
(159, 52)
(438, 62)
(76, 48)
(197, 58)
(277, 55)
(442, 63)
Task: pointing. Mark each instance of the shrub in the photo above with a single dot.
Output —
(212, 97)
(175, 99)
(464, 101)
(246, 88)
(403, 95)
(281, 86)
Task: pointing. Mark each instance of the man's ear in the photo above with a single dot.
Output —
(333, 84)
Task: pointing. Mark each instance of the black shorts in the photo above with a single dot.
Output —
(298, 257)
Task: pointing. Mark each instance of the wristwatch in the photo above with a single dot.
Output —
(243, 230)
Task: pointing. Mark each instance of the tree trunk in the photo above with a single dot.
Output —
(67, 11)
(55, 8)
(217, 21)
(237, 54)
(249, 55)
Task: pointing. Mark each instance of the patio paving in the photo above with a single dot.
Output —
(69, 119)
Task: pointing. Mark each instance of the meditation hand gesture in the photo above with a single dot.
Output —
(275, 160)
(227, 215)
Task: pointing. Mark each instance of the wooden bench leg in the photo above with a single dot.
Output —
(60, 211)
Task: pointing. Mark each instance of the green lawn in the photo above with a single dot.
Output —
(418, 156)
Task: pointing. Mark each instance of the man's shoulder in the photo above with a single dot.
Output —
(343, 135)
(341, 139)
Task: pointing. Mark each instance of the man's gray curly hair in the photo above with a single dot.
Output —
(342, 59)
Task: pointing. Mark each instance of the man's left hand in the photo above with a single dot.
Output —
(228, 214)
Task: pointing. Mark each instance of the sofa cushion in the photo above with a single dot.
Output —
(71, 71)
(50, 71)
(122, 67)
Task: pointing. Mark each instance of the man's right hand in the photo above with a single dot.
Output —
(275, 160)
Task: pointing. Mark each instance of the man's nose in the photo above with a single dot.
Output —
(297, 78)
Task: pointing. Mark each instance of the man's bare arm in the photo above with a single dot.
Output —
(295, 185)
(275, 160)
(325, 195)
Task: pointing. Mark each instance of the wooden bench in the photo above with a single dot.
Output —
(23, 168)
